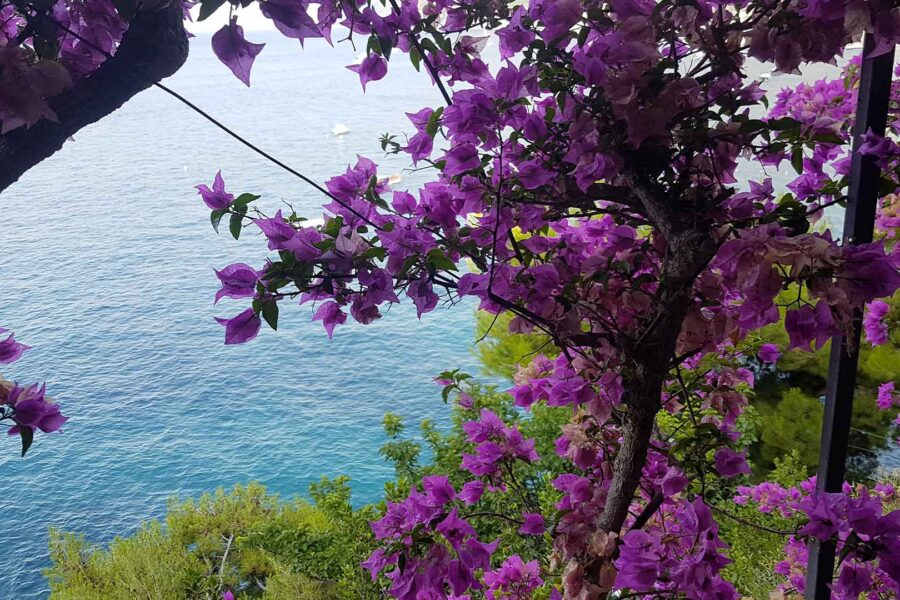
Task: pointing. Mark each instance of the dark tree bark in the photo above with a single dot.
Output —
(154, 47)
(690, 248)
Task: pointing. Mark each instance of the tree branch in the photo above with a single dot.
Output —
(154, 47)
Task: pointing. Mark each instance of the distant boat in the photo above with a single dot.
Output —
(340, 129)
(394, 179)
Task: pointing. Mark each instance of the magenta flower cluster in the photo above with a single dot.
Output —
(867, 537)
(429, 551)
(27, 407)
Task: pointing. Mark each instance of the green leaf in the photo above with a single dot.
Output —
(450, 375)
(270, 314)
(434, 122)
(784, 123)
(429, 45)
(372, 196)
(235, 225)
(244, 200)
(797, 160)
(829, 138)
(372, 44)
(752, 126)
(437, 259)
(46, 47)
(386, 46)
(583, 35)
(332, 227)
(27, 434)
(415, 58)
(208, 7)
(215, 218)
(375, 252)
(408, 264)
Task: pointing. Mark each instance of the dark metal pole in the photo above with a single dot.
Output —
(859, 219)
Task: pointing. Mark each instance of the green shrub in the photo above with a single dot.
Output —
(246, 540)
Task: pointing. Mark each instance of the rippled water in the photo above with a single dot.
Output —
(106, 259)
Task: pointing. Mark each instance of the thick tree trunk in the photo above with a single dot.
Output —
(689, 253)
(643, 397)
(627, 468)
(154, 47)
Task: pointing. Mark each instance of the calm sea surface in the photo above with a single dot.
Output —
(106, 257)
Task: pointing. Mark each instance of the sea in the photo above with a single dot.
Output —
(106, 270)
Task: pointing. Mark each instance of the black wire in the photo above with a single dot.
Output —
(223, 127)
(434, 73)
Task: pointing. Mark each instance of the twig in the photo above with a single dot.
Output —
(749, 523)
(652, 506)
(225, 558)
(434, 73)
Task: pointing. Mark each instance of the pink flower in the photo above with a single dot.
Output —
(885, 398)
(11, 350)
(372, 68)
(730, 463)
(533, 525)
(873, 323)
(241, 328)
(331, 315)
(769, 353)
(514, 580)
(216, 198)
(234, 51)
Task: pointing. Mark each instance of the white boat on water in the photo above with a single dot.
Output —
(339, 130)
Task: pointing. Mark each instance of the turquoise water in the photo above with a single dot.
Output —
(106, 259)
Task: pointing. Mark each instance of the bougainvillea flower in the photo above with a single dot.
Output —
(238, 281)
(291, 18)
(234, 51)
(11, 350)
(730, 463)
(216, 198)
(372, 68)
(769, 353)
(241, 328)
(533, 524)
(33, 410)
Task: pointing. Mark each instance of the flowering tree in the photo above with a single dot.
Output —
(590, 182)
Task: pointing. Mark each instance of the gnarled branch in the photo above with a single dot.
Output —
(154, 47)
